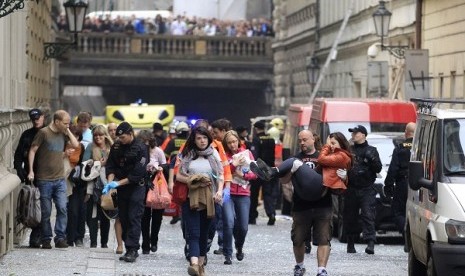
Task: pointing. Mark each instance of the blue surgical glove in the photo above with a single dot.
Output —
(226, 195)
(245, 170)
(109, 186)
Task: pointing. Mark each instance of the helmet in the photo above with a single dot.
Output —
(274, 133)
(182, 126)
(278, 123)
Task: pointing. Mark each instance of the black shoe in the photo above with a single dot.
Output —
(227, 260)
(46, 245)
(34, 245)
(104, 245)
(239, 254)
(271, 220)
(93, 245)
(308, 247)
(219, 251)
(61, 243)
(351, 244)
(131, 256)
(253, 221)
(145, 251)
(154, 248)
(370, 248)
(175, 220)
(258, 171)
(79, 243)
(124, 256)
(262, 170)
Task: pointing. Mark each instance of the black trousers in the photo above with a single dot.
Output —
(93, 223)
(76, 226)
(363, 201)
(131, 204)
(270, 191)
(150, 230)
(398, 205)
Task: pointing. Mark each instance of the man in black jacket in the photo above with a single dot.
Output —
(21, 163)
(360, 194)
(263, 147)
(398, 173)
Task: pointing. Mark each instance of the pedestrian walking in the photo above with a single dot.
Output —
(263, 147)
(126, 170)
(76, 226)
(360, 197)
(312, 203)
(236, 210)
(202, 170)
(152, 218)
(47, 151)
(97, 220)
(21, 163)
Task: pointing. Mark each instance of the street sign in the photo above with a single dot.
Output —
(417, 79)
(378, 78)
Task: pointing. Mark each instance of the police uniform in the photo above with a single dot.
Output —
(129, 161)
(398, 174)
(263, 147)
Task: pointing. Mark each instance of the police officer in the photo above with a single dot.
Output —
(21, 163)
(263, 147)
(360, 194)
(126, 169)
(398, 173)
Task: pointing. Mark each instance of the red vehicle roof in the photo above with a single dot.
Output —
(364, 110)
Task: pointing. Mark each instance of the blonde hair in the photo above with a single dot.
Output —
(108, 141)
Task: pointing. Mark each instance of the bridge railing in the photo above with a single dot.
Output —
(167, 46)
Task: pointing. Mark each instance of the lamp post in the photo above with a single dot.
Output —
(9, 6)
(75, 15)
(382, 18)
(313, 69)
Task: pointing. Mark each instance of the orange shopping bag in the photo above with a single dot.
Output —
(158, 197)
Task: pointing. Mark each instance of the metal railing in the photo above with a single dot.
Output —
(167, 46)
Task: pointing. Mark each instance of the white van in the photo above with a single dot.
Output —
(435, 216)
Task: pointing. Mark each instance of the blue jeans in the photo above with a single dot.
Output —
(56, 190)
(217, 226)
(197, 225)
(235, 222)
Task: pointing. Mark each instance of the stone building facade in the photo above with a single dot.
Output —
(306, 28)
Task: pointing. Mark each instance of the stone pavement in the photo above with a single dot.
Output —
(263, 246)
(268, 251)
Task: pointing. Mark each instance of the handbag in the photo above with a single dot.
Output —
(180, 191)
(172, 211)
(158, 197)
(109, 201)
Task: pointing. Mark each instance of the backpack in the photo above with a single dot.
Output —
(28, 212)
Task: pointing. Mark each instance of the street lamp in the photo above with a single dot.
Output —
(75, 15)
(9, 6)
(382, 17)
(313, 69)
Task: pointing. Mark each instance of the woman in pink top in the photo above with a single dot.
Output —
(236, 208)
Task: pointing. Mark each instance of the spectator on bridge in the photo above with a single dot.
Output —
(178, 26)
(21, 163)
(160, 24)
(47, 150)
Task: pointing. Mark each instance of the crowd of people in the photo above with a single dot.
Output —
(223, 171)
(180, 25)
